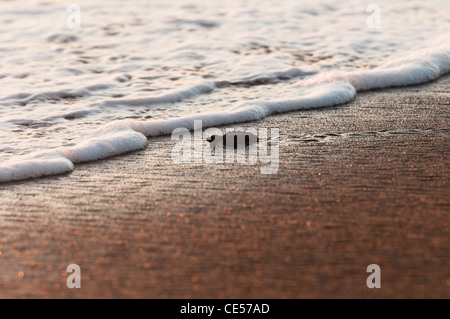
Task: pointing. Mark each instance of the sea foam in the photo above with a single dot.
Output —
(25, 168)
(416, 68)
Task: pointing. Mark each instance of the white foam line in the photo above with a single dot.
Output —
(324, 95)
(34, 167)
(172, 96)
(417, 68)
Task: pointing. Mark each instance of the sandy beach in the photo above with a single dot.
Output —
(375, 190)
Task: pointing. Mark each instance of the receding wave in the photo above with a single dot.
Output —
(332, 89)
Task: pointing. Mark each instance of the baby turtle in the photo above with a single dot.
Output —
(234, 139)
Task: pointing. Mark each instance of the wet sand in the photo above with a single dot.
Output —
(376, 191)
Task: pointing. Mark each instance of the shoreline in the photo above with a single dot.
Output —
(123, 136)
(141, 226)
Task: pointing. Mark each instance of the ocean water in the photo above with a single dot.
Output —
(136, 69)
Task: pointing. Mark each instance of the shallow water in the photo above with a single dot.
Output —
(157, 60)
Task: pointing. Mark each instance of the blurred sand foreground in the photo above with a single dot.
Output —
(141, 226)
